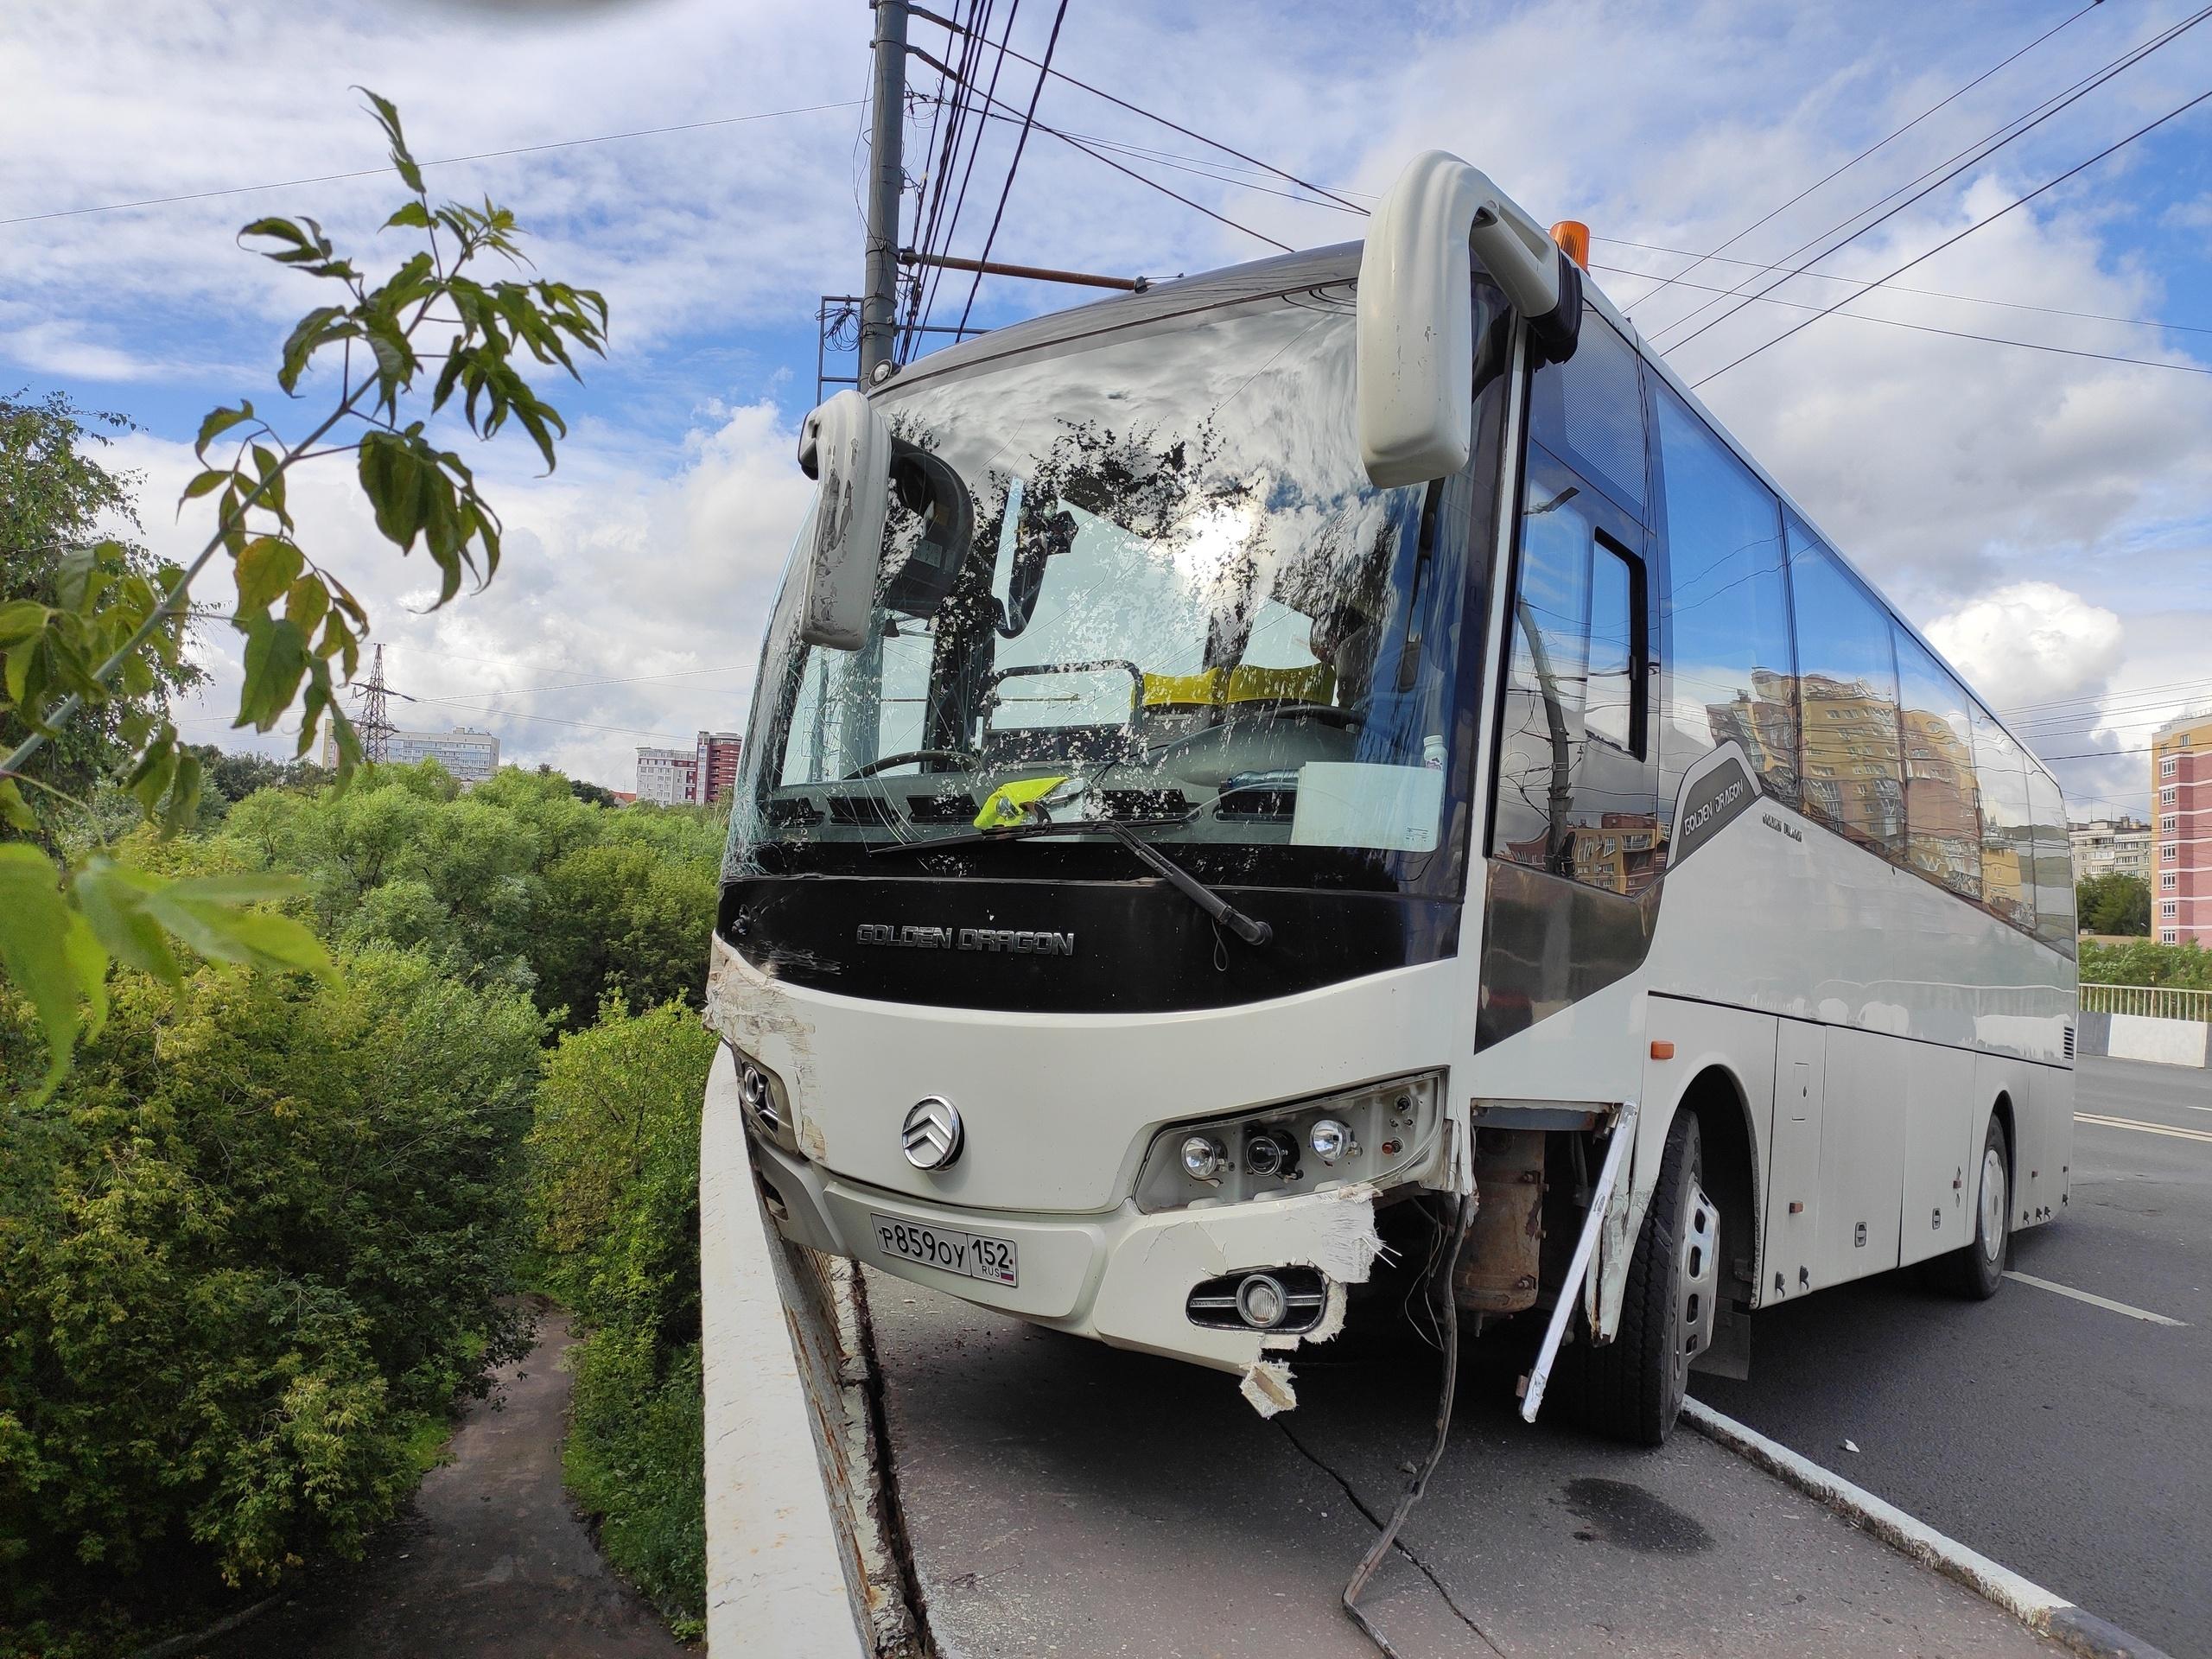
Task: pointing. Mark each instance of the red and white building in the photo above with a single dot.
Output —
(706, 772)
(2181, 825)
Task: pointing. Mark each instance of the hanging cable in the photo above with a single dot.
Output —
(1020, 142)
(1952, 241)
(1826, 178)
(974, 147)
(1981, 152)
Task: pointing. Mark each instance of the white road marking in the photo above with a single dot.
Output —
(2147, 1128)
(2096, 1301)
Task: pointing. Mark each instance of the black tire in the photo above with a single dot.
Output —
(1631, 1389)
(1978, 1271)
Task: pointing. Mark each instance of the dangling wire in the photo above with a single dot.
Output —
(1440, 1278)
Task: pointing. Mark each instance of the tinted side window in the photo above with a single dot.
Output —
(2054, 860)
(1848, 684)
(1574, 794)
(1589, 411)
(2008, 874)
(1726, 613)
(1941, 814)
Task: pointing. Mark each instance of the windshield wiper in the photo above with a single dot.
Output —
(1249, 929)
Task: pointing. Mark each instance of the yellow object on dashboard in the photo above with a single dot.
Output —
(1316, 682)
(1009, 803)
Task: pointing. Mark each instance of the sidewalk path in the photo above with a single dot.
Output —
(490, 1562)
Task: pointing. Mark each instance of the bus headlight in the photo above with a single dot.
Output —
(1382, 1132)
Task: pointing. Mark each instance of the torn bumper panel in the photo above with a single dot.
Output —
(1123, 1277)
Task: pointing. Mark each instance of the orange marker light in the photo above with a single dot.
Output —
(1573, 235)
(1663, 1051)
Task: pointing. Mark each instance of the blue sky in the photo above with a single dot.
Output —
(2047, 518)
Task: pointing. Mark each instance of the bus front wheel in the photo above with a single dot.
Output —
(1631, 1389)
(1977, 1270)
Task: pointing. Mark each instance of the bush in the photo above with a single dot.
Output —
(615, 1194)
(2141, 963)
(256, 1243)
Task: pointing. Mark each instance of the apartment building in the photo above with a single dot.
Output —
(2181, 823)
(2111, 847)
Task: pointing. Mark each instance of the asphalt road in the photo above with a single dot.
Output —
(2069, 1441)
(1063, 1498)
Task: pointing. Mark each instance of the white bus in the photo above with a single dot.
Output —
(1346, 748)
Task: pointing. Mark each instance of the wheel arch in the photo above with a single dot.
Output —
(1717, 1098)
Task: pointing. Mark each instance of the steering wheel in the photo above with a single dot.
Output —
(966, 757)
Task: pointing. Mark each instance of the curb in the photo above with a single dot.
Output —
(191, 1639)
(2046, 1614)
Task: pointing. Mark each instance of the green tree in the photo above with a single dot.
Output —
(255, 1244)
(2187, 967)
(615, 1196)
(2113, 903)
(622, 919)
(109, 631)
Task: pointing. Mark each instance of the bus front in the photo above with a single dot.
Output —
(1090, 943)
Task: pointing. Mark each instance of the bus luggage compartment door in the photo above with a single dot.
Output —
(1793, 1199)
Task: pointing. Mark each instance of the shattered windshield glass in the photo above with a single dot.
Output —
(1139, 578)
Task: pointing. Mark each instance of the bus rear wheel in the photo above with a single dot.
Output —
(1976, 1271)
(1631, 1389)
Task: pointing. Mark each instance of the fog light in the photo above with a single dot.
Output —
(1262, 1301)
(1272, 1153)
(1329, 1139)
(1203, 1158)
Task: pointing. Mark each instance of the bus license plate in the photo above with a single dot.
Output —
(974, 1256)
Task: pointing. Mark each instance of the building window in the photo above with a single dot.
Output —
(2169, 766)
(2170, 795)
(2171, 822)
(2168, 935)
(2169, 909)
(2169, 853)
(2169, 880)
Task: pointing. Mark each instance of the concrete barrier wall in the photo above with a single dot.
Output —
(2168, 1042)
(2092, 1034)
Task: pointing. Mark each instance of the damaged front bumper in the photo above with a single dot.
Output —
(1123, 1277)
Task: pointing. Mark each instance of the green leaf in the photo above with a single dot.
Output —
(267, 568)
(113, 896)
(305, 603)
(51, 954)
(21, 619)
(206, 484)
(387, 116)
(209, 914)
(276, 657)
(218, 422)
(413, 216)
(314, 331)
(15, 812)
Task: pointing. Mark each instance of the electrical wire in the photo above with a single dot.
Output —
(1020, 143)
(975, 147)
(444, 161)
(1877, 144)
(1975, 154)
(2179, 110)
(1862, 283)
(1931, 328)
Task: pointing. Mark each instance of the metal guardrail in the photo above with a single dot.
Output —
(2153, 1001)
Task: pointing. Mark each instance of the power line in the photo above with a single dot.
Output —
(1862, 283)
(1020, 143)
(1214, 144)
(1975, 154)
(446, 160)
(2133, 691)
(1930, 328)
(2022, 201)
(1869, 150)
(548, 720)
(975, 147)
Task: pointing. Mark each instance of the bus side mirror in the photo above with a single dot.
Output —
(845, 446)
(1415, 328)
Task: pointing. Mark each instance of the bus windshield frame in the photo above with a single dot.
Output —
(1139, 577)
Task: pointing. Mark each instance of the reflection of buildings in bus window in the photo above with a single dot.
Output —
(1764, 720)
(1851, 759)
(1621, 852)
(1942, 806)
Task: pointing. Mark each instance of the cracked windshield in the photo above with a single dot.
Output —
(1144, 582)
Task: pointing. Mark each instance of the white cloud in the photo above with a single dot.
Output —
(624, 599)
(2032, 642)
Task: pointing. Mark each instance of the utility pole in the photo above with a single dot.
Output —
(886, 187)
